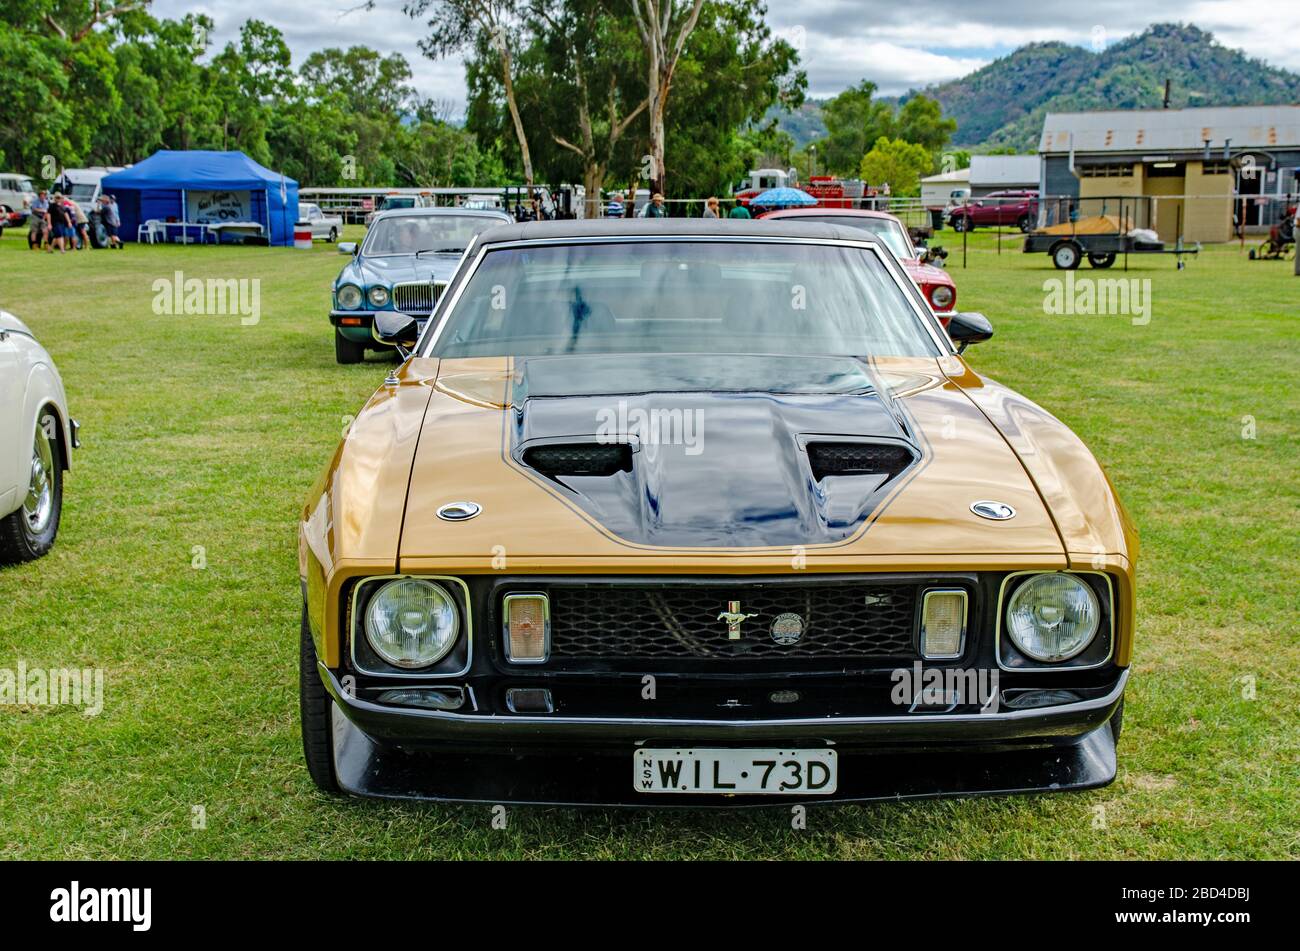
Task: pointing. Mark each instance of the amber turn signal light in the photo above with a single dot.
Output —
(943, 623)
(527, 628)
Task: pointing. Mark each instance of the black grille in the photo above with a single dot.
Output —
(595, 459)
(854, 619)
(857, 458)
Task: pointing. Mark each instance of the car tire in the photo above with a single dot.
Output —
(98, 233)
(960, 224)
(347, 351)
(334, 235)
(316, 708)
(29, 532)
(1025, 224)
(1117, 721)
(1067, 255)
(1099, 260)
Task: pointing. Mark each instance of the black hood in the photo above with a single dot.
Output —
(696, 450)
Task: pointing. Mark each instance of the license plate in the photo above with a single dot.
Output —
(748, 772)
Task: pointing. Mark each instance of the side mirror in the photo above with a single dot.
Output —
(968, 327)
(347, 247)
(396, 329)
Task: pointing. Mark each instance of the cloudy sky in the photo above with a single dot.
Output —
(898, 46)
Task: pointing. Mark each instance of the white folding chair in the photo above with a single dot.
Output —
(150, 231)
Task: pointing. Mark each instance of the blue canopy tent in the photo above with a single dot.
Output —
(205, 188)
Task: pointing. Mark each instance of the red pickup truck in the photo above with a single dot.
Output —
(1019, 208)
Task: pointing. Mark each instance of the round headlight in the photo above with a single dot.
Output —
(1052, 617)
(412, 623)
(349, 296)
(941, 296)
(378, 295)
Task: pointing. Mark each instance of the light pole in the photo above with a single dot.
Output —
(812, 159)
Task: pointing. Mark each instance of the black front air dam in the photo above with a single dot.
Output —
(585, 773)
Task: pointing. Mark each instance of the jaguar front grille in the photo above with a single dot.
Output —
(632, 622)
(417, 297)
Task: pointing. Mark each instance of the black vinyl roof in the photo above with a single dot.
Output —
(671, 227)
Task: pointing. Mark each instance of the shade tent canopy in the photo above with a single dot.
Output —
(205, 186)
(784, 197)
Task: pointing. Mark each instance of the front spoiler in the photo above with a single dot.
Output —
(587, 762)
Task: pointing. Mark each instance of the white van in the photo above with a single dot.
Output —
(16, 195)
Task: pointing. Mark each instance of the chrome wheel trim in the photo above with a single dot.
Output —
(38, 507)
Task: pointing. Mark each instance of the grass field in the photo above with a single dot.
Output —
(202, 436)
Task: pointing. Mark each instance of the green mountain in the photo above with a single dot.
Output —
(1003, 104)
(804, 124)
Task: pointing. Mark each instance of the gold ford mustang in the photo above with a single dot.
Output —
(706, 513)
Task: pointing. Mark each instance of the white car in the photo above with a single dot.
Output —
(36, 439)
(322, 225)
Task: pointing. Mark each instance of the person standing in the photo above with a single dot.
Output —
(112, 220)
(711, 208)
(40, 221)
(656, 207)
(739, 211)
(38, 227)
(80, 225)
(61, 232)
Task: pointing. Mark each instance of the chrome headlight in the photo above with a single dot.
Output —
(1053, 617)
(412, 623)
(349, 296)
(378, 295)
(941, 296)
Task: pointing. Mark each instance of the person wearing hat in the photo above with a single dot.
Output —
(80, 225)
(656, 207)
(61, 232)
(112, 220)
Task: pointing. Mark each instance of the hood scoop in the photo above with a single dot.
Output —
(579, 459)
(712, 450)
(858, 458)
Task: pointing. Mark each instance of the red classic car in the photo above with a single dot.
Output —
(1019, 208)
(935, 283)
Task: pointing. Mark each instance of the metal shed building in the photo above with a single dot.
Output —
(1209, 169)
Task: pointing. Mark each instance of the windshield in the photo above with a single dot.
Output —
(407, 234)
(683, 297)
(395, 202)
(82, 192)
(890, 232)
(24, 185)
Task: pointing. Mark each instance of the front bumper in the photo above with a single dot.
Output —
(359, 333)
(410, 753)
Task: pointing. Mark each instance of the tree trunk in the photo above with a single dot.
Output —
(520, 134)
(593, 183)
(655, 81)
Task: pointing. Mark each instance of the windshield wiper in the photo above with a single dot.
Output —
(440, 251)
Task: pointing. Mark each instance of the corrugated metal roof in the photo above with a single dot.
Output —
(960, 175)
(992, 170)
(1172, 130)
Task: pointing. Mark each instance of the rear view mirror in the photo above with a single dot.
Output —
(968, 327)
